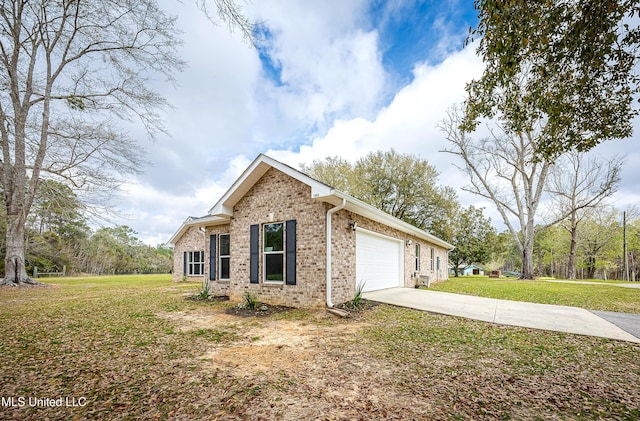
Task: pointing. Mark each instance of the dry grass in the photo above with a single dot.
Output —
(134, 348)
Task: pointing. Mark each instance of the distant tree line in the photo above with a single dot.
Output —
(57, 234)
(600, 247)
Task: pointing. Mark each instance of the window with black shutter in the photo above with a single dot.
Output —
(212, 257)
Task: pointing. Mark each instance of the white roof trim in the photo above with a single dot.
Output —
(223, 209)
(361, 208)
(196, 222)
(224, 206)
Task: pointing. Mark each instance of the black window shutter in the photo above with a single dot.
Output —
(254, 247)
(212, 257)
(291, 252)
(184, 264)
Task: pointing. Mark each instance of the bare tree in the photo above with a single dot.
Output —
(230, 13)
(579, 184)
(70, 72)
(501, 168)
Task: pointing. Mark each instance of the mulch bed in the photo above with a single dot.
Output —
(211, 299)
(262, 310)
(266, 310)
(363, 305)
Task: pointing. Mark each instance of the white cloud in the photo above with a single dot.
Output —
(408, 124)
(213, 103)
(328, 65)
(156, 214)
(330, 104)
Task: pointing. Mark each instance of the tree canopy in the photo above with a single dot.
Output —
(402, 185)
(569, 64)
(473, 236)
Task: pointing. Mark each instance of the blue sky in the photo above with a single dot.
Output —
(408, 33)
(329, 78)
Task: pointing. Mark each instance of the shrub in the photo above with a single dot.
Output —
(250, 301)
(204, 292)
(358, 297)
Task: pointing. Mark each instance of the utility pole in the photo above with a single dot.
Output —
(624, 246)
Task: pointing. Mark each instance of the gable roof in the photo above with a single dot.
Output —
(197, 222)
(255, 171)
(222, 211)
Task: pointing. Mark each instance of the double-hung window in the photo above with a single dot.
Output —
(432, 253)
(225, 256)
(417, 257)
(273, 252)
(195, 263)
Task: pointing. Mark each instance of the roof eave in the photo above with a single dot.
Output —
(205, 221)
(361, 208)
(223, 209)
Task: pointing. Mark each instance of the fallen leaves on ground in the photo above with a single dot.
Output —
(141, 351)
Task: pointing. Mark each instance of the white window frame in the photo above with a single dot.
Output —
(417, 257)
(265, 253)
(223, 256)
(432, 254)
(192, 263)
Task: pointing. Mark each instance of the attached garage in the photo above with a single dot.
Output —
(379, 261)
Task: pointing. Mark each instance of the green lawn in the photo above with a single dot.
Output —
(592, 297)
(133, 347)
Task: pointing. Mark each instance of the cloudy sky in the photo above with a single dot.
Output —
(330, 78)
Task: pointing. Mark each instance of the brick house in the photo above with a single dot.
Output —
(269, 232)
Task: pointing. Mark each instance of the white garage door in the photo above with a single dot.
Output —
(378, 261)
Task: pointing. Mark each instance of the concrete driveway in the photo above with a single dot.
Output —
(505, 312)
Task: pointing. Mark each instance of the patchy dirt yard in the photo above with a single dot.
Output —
(142, 351)
(261, 346)
(314, 356)
(391, 363)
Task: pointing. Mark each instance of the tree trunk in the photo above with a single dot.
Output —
(527, 249)
(527, 264)
(573, 251)
(15, 270)
(591, 267)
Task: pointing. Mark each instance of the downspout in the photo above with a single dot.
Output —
(330, 212)
(447, 270)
